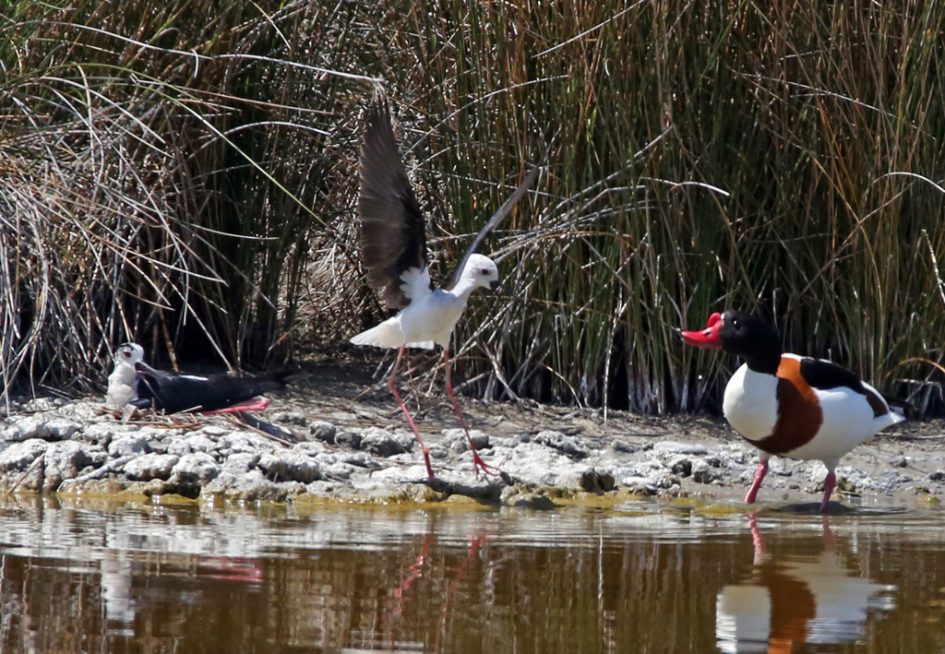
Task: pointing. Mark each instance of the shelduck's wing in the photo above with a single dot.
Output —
(497, 218)
(824, 375)
(393, 239)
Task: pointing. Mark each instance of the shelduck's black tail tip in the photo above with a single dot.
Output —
(908, 408)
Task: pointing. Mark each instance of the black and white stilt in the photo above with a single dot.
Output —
(394, 253)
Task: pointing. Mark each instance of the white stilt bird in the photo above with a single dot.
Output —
(394, 252)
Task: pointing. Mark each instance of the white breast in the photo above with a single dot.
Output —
(750, 403)
(121, 388)
(432, 318)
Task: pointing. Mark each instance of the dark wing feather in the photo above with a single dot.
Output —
(172, 392)
(497, 217)
(824, 375)
(392, 227)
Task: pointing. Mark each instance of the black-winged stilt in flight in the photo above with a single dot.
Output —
(135, 383)
(394, 252)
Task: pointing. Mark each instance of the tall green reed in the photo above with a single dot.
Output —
(203, 159)
(701, 157)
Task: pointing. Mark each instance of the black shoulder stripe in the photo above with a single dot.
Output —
(824, 375)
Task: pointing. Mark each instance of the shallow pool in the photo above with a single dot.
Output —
(88, 576)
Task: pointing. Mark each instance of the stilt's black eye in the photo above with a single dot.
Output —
(483, 271)
(126, 354)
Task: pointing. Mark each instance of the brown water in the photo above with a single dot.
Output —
(647, 577)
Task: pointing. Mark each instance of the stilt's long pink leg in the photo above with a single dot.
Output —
(255, 404)
(756, 484)
(478, 463)
(392, 385)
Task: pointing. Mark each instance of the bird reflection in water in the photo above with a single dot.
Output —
(793, 600)
(403, 594)
(123, 599)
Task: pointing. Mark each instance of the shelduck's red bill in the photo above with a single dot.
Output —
(709, 338)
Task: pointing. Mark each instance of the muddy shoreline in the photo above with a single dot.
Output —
(343, 439)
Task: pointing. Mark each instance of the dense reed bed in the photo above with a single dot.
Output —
(184, 173)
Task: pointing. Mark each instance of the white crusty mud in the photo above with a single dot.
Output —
(341, 447)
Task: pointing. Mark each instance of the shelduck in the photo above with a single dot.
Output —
(394, 253)
(788, 405)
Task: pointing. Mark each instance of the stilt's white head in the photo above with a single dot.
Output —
(480, 270)
(129, 353)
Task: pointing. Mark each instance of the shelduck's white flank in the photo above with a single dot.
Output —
(848, 421)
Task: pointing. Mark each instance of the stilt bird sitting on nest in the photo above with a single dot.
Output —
(135, 383)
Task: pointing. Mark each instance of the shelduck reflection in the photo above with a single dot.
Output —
(790, 600)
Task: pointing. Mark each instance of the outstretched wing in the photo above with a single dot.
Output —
(497, 217)
(392, 227)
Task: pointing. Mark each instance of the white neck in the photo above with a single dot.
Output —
(464, 287)
(121, 389)
(123, 373)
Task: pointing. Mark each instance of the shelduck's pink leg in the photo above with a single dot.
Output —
(757, 541)
(478, 463)
(392, 385)
(830, 482)
(759, 477)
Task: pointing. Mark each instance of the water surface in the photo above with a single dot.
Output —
(646, 577)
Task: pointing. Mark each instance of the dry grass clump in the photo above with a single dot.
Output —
(164, 180)
(184, 173)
